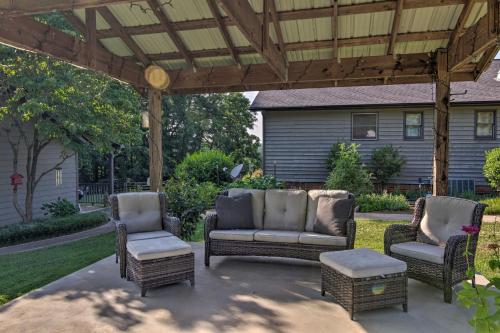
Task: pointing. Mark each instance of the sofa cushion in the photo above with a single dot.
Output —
(444, 217)
(148, 235)
(277, 236)
(285, 210)
(258, 197)
(140, 211)
(312, 203)
(420, 251)
(319, 239)
(332, 216)
(234, 212)
(156, 248)
(234, 234)
(362, 263)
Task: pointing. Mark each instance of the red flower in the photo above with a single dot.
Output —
(470, 229)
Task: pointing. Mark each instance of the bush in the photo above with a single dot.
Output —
(206, 166)
(258, 181)
(493, 206)
(59, 208)
(49, 227)
(187, 199)
(379, 202)
(348, 173)
(491, 169)
(386, 163)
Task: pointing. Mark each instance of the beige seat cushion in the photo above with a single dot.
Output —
(320, 239)
(420, 251)
(258, 197)
(362, 263)
(148, 235)
(233, 234)
(312, 203)
(277, 236)
(285, 210)
(140, 211)
(443, 218)
(156, 248)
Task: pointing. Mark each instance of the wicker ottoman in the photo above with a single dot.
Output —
(362, 279)
(159, 261)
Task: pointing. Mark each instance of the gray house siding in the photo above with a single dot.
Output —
(297, 142)
(46, 190)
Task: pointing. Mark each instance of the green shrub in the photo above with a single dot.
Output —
(334, 155)
(59, 208)
(386, 163)
(49, 227)
(491, 168)
(206, 166)
(379, 202)
(348, 173)
(187, 199)
(257, 181)
(493, 206)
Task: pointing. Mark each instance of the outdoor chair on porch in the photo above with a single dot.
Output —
(433, 245)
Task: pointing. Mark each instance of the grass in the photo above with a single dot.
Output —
(23, 272)
(493, 206)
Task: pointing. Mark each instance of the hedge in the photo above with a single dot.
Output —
(382, 202)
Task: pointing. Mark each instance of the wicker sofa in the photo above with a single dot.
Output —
(284, 221)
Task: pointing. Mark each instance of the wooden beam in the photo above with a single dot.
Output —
(462, 19)
(214, 9)
(395, 26)
(441, 125)
(265, 25)
(90, 35)
(155, 140)
(249, 24)
(335, 30)
(168, 27)
(108, 16)
(485, 61)
(28, 34)
(277, 29)
(30, 7)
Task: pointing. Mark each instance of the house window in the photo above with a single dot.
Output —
(485, 124)
(58, 177)
(364, 126)
(414, 125)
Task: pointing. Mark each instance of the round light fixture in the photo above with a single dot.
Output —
(157, 77)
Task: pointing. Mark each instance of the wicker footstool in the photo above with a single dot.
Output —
(362, 279)
(159, 261)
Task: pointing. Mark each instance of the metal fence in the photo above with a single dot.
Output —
(98, 193)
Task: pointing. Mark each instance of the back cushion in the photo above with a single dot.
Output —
(285, 210)
(257, 203)
(312, 203)
(443, 218)
(140, 211)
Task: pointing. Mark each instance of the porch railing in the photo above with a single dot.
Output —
(98, 193)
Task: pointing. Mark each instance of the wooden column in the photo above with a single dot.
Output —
(155, 140)
(441, 125)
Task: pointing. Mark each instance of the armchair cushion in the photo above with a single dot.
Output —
(444, 217)
(285, 210)
(258, 197)
(140, 211)
(234, 212)
(332, 216)
(312, 203)
(422, 251)
(148, 235)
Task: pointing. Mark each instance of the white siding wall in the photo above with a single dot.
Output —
(46, 190)
(299, 142)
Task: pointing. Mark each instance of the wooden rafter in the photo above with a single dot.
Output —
(277, 29)
(108, 16)
(485, 61)
(335, 30)
(462, 19)
(395, 26)
(249, 24)
(91, 34)
(168, 27)
(223, 30)
(29, 7)
(265, 24)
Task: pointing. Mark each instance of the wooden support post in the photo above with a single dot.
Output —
(155, 140)
(441, 125)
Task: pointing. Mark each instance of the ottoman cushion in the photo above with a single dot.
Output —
(156, 248)
(362, 263)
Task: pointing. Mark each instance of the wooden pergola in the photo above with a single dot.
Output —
(239, 45)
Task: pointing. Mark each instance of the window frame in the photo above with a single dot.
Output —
(493, 135)
(376, 126)
(405, 125)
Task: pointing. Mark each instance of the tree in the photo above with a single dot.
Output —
(491, 168)
(43, 100)
(385, 164)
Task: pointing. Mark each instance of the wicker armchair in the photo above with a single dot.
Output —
(433, 245)
(138, 216)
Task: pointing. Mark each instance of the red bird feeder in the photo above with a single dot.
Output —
(16, 179)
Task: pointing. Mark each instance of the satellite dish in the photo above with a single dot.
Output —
(236, 171)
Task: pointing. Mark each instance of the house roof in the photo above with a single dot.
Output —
(485, 90)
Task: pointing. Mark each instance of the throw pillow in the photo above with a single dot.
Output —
(332, 215)
(234, 212)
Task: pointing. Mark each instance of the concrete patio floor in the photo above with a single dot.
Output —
(234, 295)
